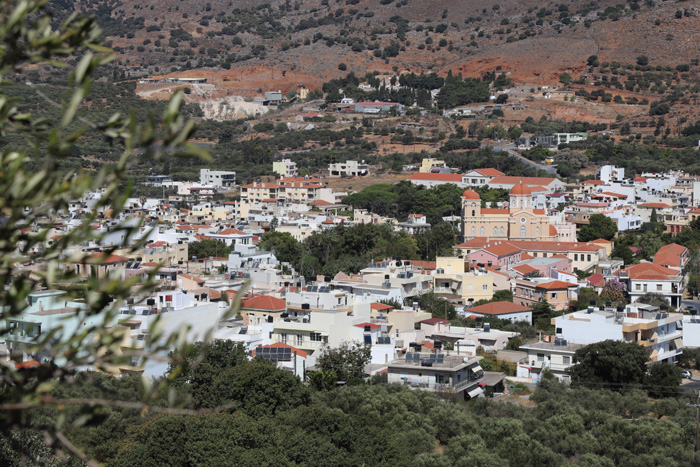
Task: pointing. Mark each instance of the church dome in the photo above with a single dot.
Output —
(471, 194)
(521, 189)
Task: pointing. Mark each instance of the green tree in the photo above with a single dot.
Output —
(662, 380)
(613, 364)
(286, 248)
(347, 361)
(599, 226)
(35, 188)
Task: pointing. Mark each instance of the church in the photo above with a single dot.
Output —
(517, 222)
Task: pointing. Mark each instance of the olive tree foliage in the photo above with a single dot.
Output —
(34, 190)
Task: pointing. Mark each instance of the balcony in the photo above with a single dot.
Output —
(670, 336)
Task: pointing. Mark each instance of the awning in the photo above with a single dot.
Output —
(475, 392)
(476, 369)
(678, 343)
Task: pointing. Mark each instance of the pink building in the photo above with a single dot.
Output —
(498, 254)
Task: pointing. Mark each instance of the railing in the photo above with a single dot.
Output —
(670, 336)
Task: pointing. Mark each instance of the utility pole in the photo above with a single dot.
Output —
(697, 421)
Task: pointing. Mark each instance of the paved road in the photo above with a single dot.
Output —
(510, 149)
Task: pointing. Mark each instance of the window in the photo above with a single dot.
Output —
(473, 231)
(575, 257)
(638, 286)
(523, 231)
(473, 213)
(554, 295)
(540, 357)
(316, 336)
(485, 287)
(658, 287)
(501, 231)
(300, 339)
(566, 359)
(470, 287)
(589, 257)
(483, 231)
(495, 231)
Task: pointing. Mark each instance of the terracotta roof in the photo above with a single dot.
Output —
(530, 181)
(434, 321)
(649, 271)
(453, 178)
(264, 303)
(524, 269)
(596, 280)
(654, 205)
(490, 172)
(555, 285)
(381, 306)
(481, 242)
(540, 212)
(301, 353)
(231, 232)
(553, 231)
(428, 265)
(103, 258)
(261, 185)
(524, 256)
(520, 189)
(639, 179)
(214, 294)
(495, 211)
(320, 202)
(600, 240)
(502, 249)
(372, 326)
(470, 194)
(27, 364)
(192, 278)
(670, 255)
(498, 308)
(592, 182)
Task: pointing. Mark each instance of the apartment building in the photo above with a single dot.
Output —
(643, 278)
(454, 280)
(438, 372)
(348, 169)
(217, 178)
(654, 328)
(285, 168)
(558, 294)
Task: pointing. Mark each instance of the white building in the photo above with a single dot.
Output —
(217, 178)
(348, 169)
(660, 332)
(285, 168)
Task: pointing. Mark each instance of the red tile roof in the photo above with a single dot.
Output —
(649, 271)
(448, 178)
(502, 249)
(596, 280)
(103, 258)
(435, 321)
(489, 172)
(555, 285)
(529, 181)
(654, 205)
(231, 232)
(504, 212)
(264, 303)
(498, 308)
(381, 306)
(372, 326)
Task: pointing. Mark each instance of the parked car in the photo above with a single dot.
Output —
(687, 374)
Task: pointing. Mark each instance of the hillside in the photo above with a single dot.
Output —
(282, 43)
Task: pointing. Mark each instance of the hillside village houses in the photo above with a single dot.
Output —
(526, 245)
